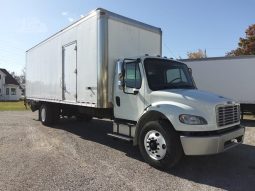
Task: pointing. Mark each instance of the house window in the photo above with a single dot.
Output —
(0, 88)
(7, 91)
(13, 91)
(0, 76)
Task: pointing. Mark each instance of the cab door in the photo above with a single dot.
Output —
(128, 97)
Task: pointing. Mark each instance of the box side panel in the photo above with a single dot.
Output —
(44, 71)
(87, 62)
(232, 78)
(45, 61)
(127, 40)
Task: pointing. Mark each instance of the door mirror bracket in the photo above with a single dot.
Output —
(135, 91)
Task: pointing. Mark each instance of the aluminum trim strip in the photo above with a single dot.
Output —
(102, 62)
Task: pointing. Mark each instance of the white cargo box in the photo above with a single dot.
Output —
(76, 65)
(232, 77)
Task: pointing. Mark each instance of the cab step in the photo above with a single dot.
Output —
(123, 137)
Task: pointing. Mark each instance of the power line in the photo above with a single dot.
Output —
(171, 52)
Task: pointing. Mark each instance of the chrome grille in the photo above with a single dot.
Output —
(227, 115)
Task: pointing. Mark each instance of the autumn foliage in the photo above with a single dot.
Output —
(246, 46)
(197, 54)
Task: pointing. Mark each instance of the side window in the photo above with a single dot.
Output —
(7, 91)
(133, 76)
(175, 75)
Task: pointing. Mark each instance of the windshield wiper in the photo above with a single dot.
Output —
(172, 86)
(186, 86)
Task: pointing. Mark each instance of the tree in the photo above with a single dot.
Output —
(198, 54)
(20, 78)
(246, 46)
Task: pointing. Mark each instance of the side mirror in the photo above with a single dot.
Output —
(190, 71)
(121, 69)
(121, 74)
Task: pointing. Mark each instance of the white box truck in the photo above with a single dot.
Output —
(231, 77)
(109, 66)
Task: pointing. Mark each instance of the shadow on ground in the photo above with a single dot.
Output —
(232, 170)
(248, 122)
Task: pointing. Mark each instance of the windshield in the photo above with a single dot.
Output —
(167, 74)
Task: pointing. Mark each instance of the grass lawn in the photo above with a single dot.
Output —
(12, 106)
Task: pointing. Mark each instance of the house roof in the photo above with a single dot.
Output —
(9, 79)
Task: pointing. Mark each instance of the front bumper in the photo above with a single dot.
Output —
(206, 145)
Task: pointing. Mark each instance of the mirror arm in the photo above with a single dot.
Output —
(136, 91)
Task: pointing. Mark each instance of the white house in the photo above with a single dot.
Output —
(9, 87)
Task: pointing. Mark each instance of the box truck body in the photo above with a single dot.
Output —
(231, 77)
(109, 66)
(76, 65)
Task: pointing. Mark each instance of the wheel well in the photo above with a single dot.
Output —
(149, 116)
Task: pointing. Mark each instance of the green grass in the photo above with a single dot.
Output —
(12, 106)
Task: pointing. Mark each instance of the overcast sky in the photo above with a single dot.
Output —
(187, 25)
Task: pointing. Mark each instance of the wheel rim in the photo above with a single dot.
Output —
(43, 114)
(155, 145)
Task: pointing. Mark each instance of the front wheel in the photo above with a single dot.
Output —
(160, 145)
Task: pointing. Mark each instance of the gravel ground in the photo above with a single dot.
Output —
(79, 156)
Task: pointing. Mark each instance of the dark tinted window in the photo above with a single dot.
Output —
(167, 74)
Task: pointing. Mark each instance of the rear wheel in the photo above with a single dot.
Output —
(48, 114)
(160, 145)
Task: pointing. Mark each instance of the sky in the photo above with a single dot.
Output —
(187, 25)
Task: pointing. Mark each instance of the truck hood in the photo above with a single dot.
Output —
(190, 97)
(174, 102)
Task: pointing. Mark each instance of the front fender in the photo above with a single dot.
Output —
(148, 115)
(155, 112)
(170, 111)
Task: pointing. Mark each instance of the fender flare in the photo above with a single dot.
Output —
(151, 115)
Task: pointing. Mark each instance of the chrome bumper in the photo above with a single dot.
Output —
(206, 145)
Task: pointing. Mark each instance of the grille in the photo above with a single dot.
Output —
(228, 114)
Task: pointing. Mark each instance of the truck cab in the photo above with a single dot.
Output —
(157, 105)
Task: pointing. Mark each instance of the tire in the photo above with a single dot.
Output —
(160, 144)
(48, 114)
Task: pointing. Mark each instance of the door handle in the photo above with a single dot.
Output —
(117, 98)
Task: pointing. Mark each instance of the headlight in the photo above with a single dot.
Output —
(192, 119)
